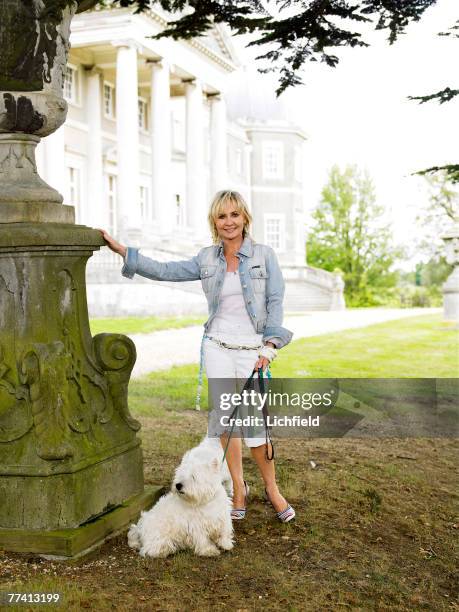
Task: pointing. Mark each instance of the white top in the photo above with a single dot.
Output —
(232, 321)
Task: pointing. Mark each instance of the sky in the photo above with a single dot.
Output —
(358, 113)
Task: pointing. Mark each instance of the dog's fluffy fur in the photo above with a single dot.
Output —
(195, 514)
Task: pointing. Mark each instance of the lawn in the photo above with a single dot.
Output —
(420, 347)
(376, 519)
(141, 325)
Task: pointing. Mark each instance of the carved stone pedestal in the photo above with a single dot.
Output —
(451, 286)
(68, 446)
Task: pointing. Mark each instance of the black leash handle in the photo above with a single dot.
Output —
(268, 439)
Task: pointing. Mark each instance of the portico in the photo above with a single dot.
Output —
(113, 62)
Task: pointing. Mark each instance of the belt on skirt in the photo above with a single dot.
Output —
(237, 347)
(201, 361)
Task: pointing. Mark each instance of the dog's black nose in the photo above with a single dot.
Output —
(179, 486)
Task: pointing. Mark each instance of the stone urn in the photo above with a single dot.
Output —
(34, 43)
(451, 286)
(70, 460)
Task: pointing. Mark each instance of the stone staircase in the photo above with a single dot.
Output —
(306, 288)
(311, 288)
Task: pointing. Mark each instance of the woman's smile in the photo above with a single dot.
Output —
(232, 216)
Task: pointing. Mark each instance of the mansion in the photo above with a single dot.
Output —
(154, 129)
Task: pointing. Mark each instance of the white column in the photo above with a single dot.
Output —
(163, 205)
(54, 157)
(127, 132)
(196, 205)
(96, 204)
(218, 163)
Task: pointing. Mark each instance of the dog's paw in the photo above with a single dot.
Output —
(226, 544)
(154, 553)
(209, 551)
(133, 538)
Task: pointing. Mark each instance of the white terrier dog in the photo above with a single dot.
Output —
(195, 514)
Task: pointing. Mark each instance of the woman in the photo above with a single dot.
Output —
(244, 288)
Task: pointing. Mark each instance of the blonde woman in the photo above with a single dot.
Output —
(244, 288)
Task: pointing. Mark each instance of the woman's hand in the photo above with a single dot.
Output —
(113, 244)
(263, 362)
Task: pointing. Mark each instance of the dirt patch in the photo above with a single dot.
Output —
(375, 530)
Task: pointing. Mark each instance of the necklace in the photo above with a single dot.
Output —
(237, 260)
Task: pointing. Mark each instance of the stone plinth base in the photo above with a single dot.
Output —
(71, 543)
(53, 501)
(69, 451)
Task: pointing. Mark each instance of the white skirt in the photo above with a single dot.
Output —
(221, 362)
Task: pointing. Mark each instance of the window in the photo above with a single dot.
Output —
(74, 191)
(273, 160)
(143, 118)
(110, 190)
(109, 101)
(71, 84)
(144, 202)
(274, 231)
(238, 161)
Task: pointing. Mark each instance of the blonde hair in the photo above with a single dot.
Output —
(219, 202)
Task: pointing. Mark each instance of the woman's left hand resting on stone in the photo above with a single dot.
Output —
(113, 244)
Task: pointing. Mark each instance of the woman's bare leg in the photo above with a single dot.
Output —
(268, 474)
(234, 460)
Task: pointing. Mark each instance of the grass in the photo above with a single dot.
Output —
(423, 346)
(419, 347)
(376, 518)
(375, 530)
(141, 325)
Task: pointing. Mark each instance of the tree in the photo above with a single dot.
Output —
(434, 272)
(436, 218)
(302, 30)
(450, 171)
(348, 234)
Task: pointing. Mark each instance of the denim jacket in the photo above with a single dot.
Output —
(261, 280)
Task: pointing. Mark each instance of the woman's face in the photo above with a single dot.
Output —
(230, 222)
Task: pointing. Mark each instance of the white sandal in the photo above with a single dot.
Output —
(237, 514)
(284, 515)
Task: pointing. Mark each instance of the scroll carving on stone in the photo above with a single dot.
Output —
(116, 355)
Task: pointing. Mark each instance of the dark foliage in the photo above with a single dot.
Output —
(445, 95)
(451, 171)
(311, 32)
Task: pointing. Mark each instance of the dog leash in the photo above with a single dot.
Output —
(264, 410)
(268, 438)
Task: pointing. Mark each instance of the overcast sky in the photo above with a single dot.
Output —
(359, 113)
